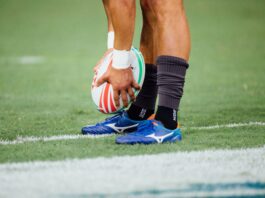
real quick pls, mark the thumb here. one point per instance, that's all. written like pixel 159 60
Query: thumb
pixel 95 68
pixel 101 80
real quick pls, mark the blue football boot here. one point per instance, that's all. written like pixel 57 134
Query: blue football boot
pixel 150 132
pixel 119 123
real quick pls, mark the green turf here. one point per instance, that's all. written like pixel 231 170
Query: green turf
pixel 225 82
pixel 192 140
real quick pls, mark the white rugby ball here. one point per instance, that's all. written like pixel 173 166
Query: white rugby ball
pixel 103 95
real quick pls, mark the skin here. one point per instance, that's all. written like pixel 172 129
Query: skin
pixel 107 11
pixel 147 42
pixel 122 15
pixel 165 31
pixel 110 29
pixel 170 30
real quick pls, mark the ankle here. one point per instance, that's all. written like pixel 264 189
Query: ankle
pixel 167 116
pixel 138 113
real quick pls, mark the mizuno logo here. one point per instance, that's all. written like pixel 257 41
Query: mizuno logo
pixel 121 129
pixel 159 139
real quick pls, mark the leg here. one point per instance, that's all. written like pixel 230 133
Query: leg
pixel 173 36
pixel 173 49
pixel 172 46
pixel 144 106
pixel 147 34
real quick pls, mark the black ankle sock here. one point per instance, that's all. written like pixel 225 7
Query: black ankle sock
pixel 144 105
pixel 138 113
pixel 167 116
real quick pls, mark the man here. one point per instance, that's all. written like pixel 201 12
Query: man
pixel 165 45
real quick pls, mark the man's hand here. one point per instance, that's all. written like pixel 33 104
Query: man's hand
pixel 122 82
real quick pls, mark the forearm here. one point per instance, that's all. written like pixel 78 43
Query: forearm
pixel 123 20
pixel 106 7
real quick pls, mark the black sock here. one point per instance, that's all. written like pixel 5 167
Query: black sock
pixel 170 80
pixel 144 105
pixel 167 116
pixel 138 113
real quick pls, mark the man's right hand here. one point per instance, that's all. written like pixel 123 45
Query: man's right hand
pixel 122 82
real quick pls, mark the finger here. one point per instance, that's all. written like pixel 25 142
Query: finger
pixel 101 80
pixel 95 68
pixel 97 65
pixel 124 98
pixel 116 97
pixel 131 94
pixel 135 85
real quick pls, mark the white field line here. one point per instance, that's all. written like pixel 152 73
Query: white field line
pixel 23 60
pixel 30 60
pixel 232 125
pixel 192 174
pixel 25 139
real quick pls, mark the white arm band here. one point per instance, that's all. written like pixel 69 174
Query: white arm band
pixel 110 40
pixel 121 59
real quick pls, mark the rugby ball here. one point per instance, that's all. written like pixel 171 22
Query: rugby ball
pixel 103 95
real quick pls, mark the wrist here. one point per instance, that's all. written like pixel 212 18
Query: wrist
pixel 121 59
